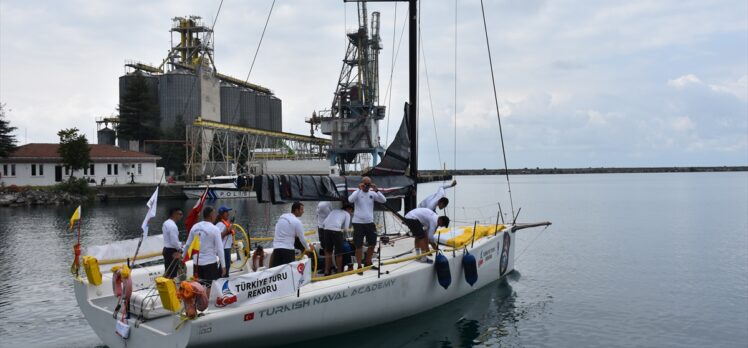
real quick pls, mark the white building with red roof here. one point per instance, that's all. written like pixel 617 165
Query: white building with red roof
pixel 41 165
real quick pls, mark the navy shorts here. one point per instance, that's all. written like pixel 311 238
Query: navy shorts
pixel 333 241
pixel 361 231
pixel 415 227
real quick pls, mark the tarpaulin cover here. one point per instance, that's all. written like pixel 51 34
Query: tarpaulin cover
pixel 278 189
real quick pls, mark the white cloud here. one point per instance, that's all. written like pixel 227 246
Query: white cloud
pixel 684 81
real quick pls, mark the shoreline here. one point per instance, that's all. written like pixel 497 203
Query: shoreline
pixel 589 170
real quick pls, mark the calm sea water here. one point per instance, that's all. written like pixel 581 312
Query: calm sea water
pixel 652 260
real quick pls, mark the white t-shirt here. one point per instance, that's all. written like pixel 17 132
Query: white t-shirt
pixel 338 220
pixel 211 246
pixel 171 235
pixel 428 219
pixel 431 201
pixel 286 229
pixel 364 204
pixel 323 209
pixel 229 239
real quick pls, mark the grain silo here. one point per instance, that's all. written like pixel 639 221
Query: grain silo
pixel 276 117
pixel 248 108
pixel 263 112
pixel 179 96
pixel 230 104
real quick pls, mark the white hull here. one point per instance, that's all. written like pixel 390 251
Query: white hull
pixel 218 193
pixel 322 308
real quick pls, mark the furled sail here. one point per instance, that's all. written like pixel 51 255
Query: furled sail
pixel 397 157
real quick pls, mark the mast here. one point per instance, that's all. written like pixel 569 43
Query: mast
pixel 410 202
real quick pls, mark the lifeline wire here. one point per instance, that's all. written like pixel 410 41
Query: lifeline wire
pixel 496 101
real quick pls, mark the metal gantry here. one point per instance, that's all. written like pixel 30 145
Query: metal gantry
pixel 354 115
pixel 215 148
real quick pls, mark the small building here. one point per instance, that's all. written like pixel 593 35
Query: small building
pixel 41 165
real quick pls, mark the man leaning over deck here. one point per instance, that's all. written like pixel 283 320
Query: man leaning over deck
pixel 287 229
pixel 363 218
pixel 437 199
pixel 209 260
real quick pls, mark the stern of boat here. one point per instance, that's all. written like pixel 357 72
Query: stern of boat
pixel 97 304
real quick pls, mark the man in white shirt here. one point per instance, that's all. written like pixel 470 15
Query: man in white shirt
pixel 171 243
pixel 287 229
pixel 323 209
pixel 437 199
pixel 227 235
pixel 337 221
pixel 363 218
pixel 422 223
pixel 209 260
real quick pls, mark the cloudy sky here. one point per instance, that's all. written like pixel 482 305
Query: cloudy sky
pixel 584 83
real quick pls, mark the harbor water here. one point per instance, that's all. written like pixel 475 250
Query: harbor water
pixel 645 260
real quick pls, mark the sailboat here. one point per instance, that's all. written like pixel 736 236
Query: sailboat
pixel 292 303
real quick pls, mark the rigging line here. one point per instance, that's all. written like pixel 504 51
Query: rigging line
pixel 454 147
pixel 428 89
pixel 388 93
pixel 262 36
pixel 251 66
pixel 496 102
pixel 392 64
pixel 529 245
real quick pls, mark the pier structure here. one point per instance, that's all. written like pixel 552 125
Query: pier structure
pixel 224 149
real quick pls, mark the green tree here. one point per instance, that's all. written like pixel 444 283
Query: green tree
pixel 7 139
pixel 74 149
pixel 172 151
pixel 138 112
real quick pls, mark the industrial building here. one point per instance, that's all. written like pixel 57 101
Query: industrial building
pixel 232 126
pixel 187 85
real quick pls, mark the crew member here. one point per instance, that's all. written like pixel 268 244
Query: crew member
pixel 337 221
pixel 209 261
pixel 323 209
pixel 287 229
pixel 363 218
pixel 227 235
pixel 422 223
pixel 437 199
pixel 172 247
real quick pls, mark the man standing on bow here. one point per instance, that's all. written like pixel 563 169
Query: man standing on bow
pixel 363 218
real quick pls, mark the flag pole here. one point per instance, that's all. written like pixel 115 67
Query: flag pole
pixel 137 249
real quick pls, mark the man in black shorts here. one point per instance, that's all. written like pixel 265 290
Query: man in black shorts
pixel 337 221
pixel 422 223
pixel 363 218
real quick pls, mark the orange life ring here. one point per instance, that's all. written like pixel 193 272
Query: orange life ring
pixel 194 297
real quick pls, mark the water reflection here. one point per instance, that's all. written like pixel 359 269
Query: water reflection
pixel 461 323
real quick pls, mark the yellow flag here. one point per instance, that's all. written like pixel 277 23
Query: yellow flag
pixel 76 216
